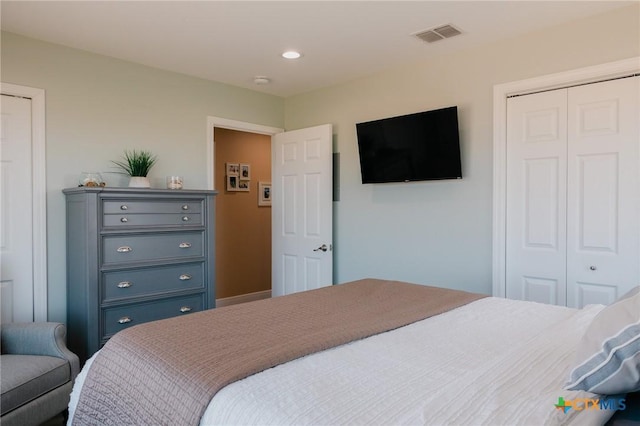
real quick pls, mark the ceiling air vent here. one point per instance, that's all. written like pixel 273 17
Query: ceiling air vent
pixel 439 33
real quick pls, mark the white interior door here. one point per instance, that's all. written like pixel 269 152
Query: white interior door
pixel 16 221
pixel 603 253
pixel 573 194
pixel 536 197
pixel 302 212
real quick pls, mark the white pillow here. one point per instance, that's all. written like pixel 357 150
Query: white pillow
pixel 608 357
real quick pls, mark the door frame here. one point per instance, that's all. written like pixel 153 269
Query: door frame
pixel 38 194
pixel 242 126
pixel 224 123
pixel 501 92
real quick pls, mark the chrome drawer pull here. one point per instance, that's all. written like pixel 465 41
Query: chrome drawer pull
pixel 124 249
pixel 125 284
pixel 185 309
pixel 124 220
pixel 185 207
pixel 185 277
pixel 185 218
pixel 124 320
pixel 184 245
pixel 124 207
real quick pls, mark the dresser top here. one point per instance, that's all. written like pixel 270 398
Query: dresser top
pixel 148 191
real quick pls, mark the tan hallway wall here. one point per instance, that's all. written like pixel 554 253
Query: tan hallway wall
pixel 243 230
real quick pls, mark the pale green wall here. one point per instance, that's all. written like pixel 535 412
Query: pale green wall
pixel 97 106
pixel 441 232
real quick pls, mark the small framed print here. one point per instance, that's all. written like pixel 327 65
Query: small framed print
pixel 233 169
pixel 264 193
pixel 232 183
pixel 245 171
pixel 243 185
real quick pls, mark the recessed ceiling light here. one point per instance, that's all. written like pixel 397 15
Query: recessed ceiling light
pixel 291 54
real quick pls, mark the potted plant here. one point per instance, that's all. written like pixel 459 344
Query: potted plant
pixel 137 165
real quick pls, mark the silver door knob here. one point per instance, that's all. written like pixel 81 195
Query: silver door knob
pixel 593 268
pixel 322 248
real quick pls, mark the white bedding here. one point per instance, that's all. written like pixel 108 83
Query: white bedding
pixel 494 361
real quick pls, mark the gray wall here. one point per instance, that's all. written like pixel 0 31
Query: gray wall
pixel 96 107
pixel 440 232
pixel 431 232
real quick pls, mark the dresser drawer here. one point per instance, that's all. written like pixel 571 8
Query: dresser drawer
pixel 122 249
pixel 151 219
pixel 151 206
pixel 119 285
pixel 121 317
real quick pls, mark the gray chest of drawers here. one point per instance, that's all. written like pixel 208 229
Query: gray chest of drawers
pixel 135 255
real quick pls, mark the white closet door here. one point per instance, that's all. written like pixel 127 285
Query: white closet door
pixel 536 197
pixel 16 209
pixel 603 254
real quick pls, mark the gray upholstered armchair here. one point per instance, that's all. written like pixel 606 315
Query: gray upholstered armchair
pixel 37 372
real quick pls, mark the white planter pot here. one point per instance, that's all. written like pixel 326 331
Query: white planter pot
pixel 139 182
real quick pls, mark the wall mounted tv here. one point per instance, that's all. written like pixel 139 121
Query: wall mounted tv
pixel 413 147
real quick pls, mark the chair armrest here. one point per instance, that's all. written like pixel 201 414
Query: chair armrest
pixel 38 338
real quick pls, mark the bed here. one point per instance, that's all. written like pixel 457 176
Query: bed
pixel 470 360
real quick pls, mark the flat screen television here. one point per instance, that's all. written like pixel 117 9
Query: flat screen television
pixel 413 147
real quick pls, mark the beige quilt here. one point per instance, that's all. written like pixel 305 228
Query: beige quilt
pixel 166 372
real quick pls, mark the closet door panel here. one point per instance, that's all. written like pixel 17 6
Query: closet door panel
pixel 536 193
pixel 603 203
pixel 597 202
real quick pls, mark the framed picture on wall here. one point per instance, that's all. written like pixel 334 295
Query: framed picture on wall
pixel 264 193
pixel 233 169
pixel 232 183
pixel 245 171
pixel 243 185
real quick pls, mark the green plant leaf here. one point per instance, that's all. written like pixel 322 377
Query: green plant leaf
pixel 136 163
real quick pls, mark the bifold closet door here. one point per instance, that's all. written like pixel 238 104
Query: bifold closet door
pixel 573 194
pixel 603 233
pixel 536 197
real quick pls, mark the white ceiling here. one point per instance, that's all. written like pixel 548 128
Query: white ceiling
pixel 234 41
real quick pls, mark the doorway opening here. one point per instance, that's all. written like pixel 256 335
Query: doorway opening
pixel 301 217
pixel 243 227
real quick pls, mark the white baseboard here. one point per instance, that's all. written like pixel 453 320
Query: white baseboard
pixel 250 297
